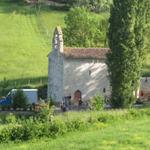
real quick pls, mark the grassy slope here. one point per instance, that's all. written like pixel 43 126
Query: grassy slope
pixel 25 40
pixel 133 134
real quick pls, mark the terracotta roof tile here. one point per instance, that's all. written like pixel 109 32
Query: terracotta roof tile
pixel 95 53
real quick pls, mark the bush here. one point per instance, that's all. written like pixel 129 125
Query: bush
pixel 97 102
pixel 45 114
pixel 4 135
pixel 11 118
pixel 33 127
pixel 76 124
pixel 19 100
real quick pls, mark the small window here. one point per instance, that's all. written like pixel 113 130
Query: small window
pixel 90 72
pixel 104 90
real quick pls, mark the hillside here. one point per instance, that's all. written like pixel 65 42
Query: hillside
pixel 26 40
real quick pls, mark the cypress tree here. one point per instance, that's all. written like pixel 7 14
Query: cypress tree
pixel 126 41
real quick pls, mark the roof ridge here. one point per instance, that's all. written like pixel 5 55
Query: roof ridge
pixel 94 53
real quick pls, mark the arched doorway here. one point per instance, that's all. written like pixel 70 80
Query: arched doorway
pixel 77 95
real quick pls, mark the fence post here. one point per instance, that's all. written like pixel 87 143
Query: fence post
pixel 41 81
pixel 29 81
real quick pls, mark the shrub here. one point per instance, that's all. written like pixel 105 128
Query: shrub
pixel 76 124
pixel 16 132
pixel 4 135
pixel 11 118
pixel 97 102
pixel 45 113
pixel 61 125
pixel 33 127
pixel 19 99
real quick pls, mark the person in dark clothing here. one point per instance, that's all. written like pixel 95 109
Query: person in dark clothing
pixel 80 102
pixel 62 106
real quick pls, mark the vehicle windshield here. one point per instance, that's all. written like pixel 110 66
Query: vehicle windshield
pixel 9 94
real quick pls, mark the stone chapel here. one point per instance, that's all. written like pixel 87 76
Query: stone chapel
pixel 76 73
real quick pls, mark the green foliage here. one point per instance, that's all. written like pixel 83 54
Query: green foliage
pixel 116 136
pixel 19 99
pixel 11 118
pixel 76 124
pixel 33 127
pixel 126 41
pixel 84 29
pixel 45 114
pixel 42 91
pixel 5 135
pixel 97 102
pixel 93 5
pixel 146 68
pixel 3 87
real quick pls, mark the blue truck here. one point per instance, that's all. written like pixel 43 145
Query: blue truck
pixel 6 101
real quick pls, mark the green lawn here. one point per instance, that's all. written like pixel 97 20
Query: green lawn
pixel 128 135
pixel 25 40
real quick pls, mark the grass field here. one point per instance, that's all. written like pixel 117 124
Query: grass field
pixel 127 135
pixel 26 40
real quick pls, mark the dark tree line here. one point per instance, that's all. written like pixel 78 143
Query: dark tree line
pixel 93 5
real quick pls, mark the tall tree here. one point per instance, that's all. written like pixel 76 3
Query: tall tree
pixel 147 31
pixel 126 41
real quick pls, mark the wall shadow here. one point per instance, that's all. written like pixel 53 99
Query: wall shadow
pixel 39 83
pixel 20 82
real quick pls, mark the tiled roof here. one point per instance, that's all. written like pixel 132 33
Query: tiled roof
pixel 94 53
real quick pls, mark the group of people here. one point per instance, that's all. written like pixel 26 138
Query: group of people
pixel 66 104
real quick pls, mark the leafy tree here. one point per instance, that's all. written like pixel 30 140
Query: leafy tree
pixel 147 31
pixel 126 41
pixel 83 29
pixel 19 99
pixel 94 5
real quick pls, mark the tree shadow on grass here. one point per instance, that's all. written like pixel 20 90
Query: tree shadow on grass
pixel 17 8
pixel 39 83
pixel 24 82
